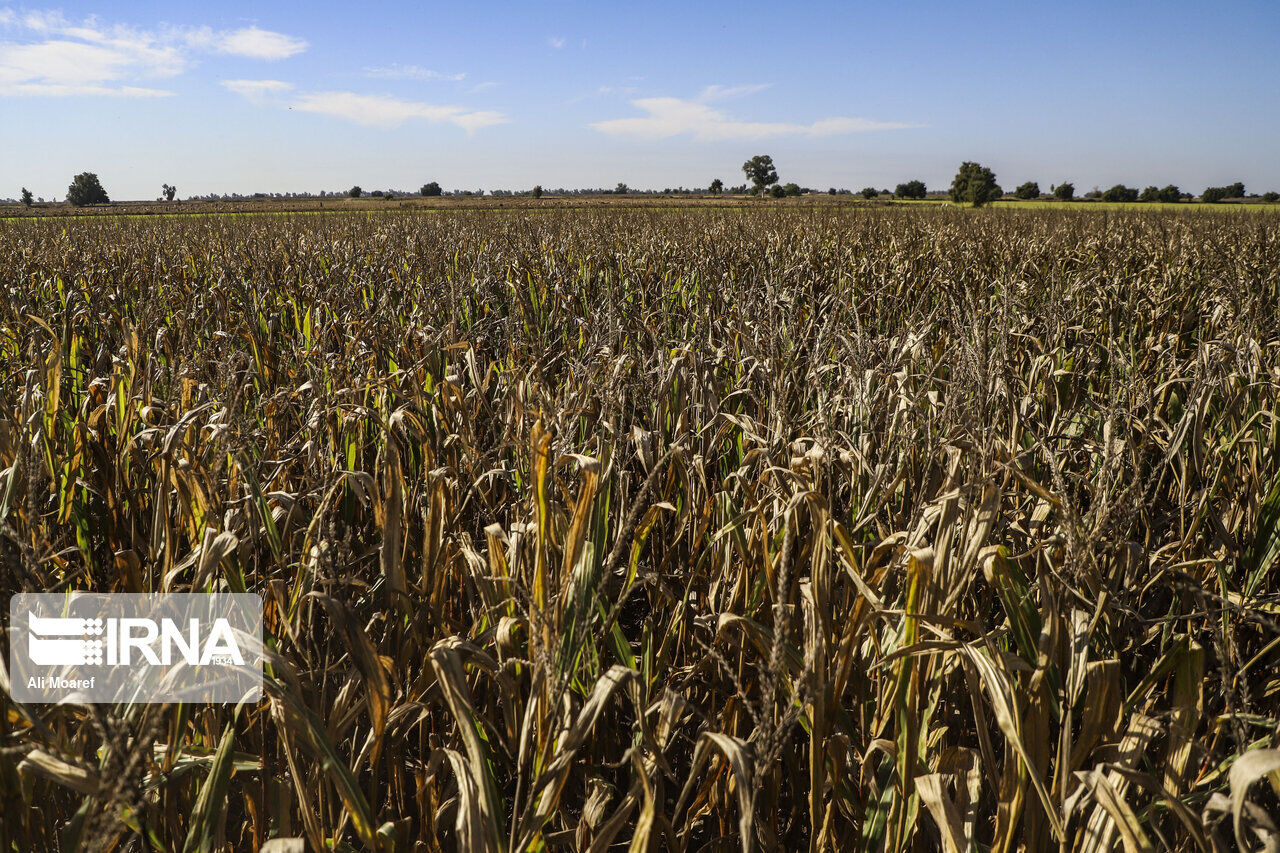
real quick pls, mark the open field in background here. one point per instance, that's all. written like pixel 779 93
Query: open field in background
pixel 1096 206
pixel 766 529
pixel 404 204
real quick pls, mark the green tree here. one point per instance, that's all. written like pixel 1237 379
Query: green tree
pixel 776 191
pixel 355 192
pixel 1235 190
pixel 716 187
pixel 27 198
pixel 537 191
pixel 430 189
pixel 870 192
pixel 760 172
pixel 1270 197
pixel 1029 190
pixel 792 189
pixel 1120 193
pixel 1170 194
pixel 1213 195
pixel 86 189
pixel 169 192
pixel 621 188
pixel 974 184
pixel 1064 191
pixel 1150 194
pixel 910 189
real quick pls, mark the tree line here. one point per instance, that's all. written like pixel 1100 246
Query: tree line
pixel 974 184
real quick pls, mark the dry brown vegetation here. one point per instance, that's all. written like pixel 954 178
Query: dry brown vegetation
pixel 690 530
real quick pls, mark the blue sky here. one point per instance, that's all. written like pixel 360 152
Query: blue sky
pixel 304 96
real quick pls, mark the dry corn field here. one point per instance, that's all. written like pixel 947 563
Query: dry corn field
pixel 660 530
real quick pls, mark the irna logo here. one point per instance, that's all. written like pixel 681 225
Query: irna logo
pixel 115 648
pixel 53 641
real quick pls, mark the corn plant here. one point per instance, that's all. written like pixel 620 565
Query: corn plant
pixel 745 529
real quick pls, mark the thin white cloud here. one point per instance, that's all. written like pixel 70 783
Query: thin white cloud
pixel 840 126
pixel 64 62
pixel 59 58
pixel 558 42
pixel 65 90
pixel 43 20
pixel 384 111
pixel 396 71
pixel 260 44
pixel 723 93
pixel 482 87
pixel 605 92
pixel 83 61
pixel 258 91
pixel 7 17
pixel 668 117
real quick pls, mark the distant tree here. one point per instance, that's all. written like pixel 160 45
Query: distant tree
pixel 1213 195
pixel 377 193
pixel 26 197
pixel 1170 194
pixel 621 189
pixel 537 191
pixel 1270 197
pixel 910 189
pixel 831 191
pixel 355 192
pixel 974 184
pixel 1120 193
pixel 86 189
pixel 776 191
pixel 716 187
pixel 1150 194
pixel 430 189
pixel 1064 191
pixel 169 192
pixel 740 189
pixel 390 196
pixel 792 189
pixel 1029 190
pixel 1235 190
pixel 870 192
pixel 760 172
